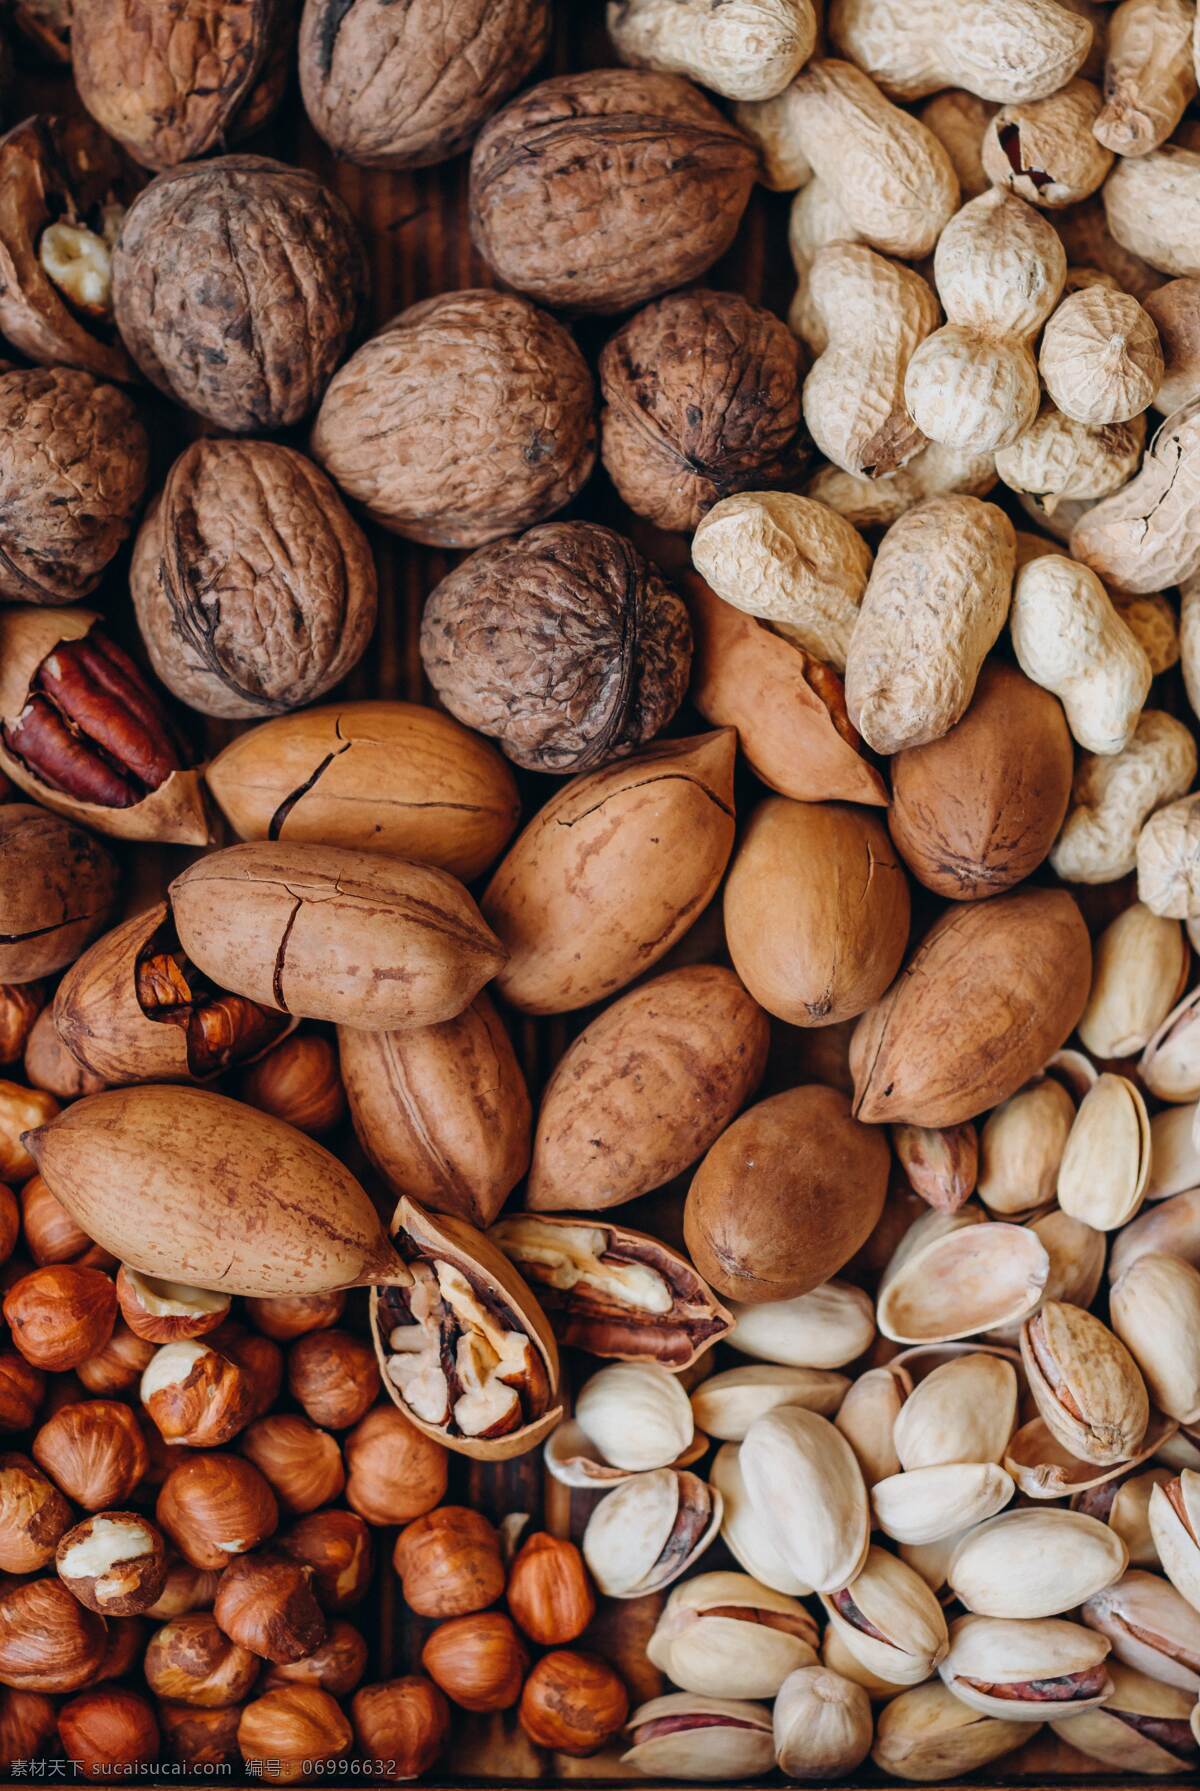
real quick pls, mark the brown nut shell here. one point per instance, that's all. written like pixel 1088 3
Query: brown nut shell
pixel 190 1661
pixel 978 810
pixel 58 889
pixel 786 1196
pixel 600 189
pixel 50 1066
pixel 49 1642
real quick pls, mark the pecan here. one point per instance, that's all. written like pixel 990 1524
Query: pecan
pixel 221 1029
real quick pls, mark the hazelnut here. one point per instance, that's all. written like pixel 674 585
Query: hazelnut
pixel 185 1589
pixel 302 1464
pixel 200 1738
pixel 334 1376
pixel 190 1661
pixel 119 1365
pixel 266 1603
pixel 20 1005
pixel 550 1590
pixel 114 1563
pixel 94 1450
pixel 61 1314
pixel 289 1316
pixel 572 1703
pixel 478 1661
pixel 336 1666
pixel 123 1648
pixel 195 1395
pixel 166 1311
pixel 337 1546
pixel 10 1222
pixel 260 1360
pixel 49 1642
pixel 405 1720
pixel 299 1081
pixel 51 1234
pixel 215 1506
pixel 449 1562
pixel 21 1109
pixel 107 1732
pixel 33 1515
pixel 394 1472
pixel 27 1724
pixel 50 1066
pixel 22 1388
pixel 294 1728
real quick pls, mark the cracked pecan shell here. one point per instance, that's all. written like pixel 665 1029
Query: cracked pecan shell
pixel 599 190
pixel 701 399
pixel 254 588
pixel 237 284
pixel 565 644
pixel 73 459
pixel 470 416
pixel 404 86
pixel 58 890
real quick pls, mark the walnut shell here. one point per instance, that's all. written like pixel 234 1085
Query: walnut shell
pixel 404 86
pixel 73 461
pixel 701 398
pixel 168 78
pixel 254 588
pixel 58 890
pixel 468 417
pixel 237 284
pixel 601 189
pixel 565 644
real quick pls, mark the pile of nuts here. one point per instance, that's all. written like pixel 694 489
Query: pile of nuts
pixel 814 804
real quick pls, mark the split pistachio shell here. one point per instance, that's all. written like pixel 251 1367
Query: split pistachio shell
pixel 1174 1154
pixel 1175 1526
pixel 573 1459
pixel 1020 1670
pixel 725 1405
pixel 1129 1515
pixel 1155 1311
pixel 837 1657
pixel 890 1620
pixel 1076 1255
pixel 1139 970
pixel 1086 1384
pixel 932 1560
pixel 807 1490
pixel 1035 1563
pixel 1142 1728
pixel 1151 1627
pixel 1021 1147
pixel 867 1419
pixel 1170 1065
pixel 823 1725
pixel 965 1411
pixel 953 1275
pixel 726 1635
pixel 1106 1164
pixel 826 1328
pixel 1168 1228
pixel 934 1502
pixel 683 1736
pixel 747 1540
pixel 649 1530
pixel 1044 1469
pixel 1181 1449
pixel 637 1415
pixel 1074 1069
pixel 929 1737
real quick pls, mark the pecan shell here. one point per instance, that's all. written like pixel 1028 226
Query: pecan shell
pixel 58 889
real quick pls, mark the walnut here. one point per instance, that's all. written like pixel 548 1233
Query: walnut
pixel 702 399
pixel 73 458
pixel 59 175
pixel 404 86
pixel 168 78
pixel 468 417
pixel 237 284
pixel 600 190
pixel 564 644
pixel 254 587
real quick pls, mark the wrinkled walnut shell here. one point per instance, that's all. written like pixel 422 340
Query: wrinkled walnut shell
pixel 565 645
pixel 468 417
pixel 237 284
pixel 255 590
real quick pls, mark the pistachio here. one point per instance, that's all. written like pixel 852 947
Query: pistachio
pixel 1181 1448
pixel 1076 1255
pixel 929 1503
pixel 940 1163
pixel 867 1419
pixel 1168 1228
pixel 1124 1505
pixel 965 1411
pixel 928 1736
pixel 1155 1311
pixel 649 1530
pixel 823 1725
pixel 1024 1670
pixel 1086 1384
pixel 1175 1527
pixel 725 1405
pixel 1074 1069
pixel 1035 1563
pixel 1139 971
pixel 1021 1147
pixel 1044 1469
pixel 725 1635
pixel 932 1560
pixel 1106 1164
pixel 1151 1626
pixel 1170 1064
pixel 1174 1155
pixel 613 1291
pixel 837 1657
pixel 953 1275
pixel 890 1620
pixel 682 1736
pixel 747 1540
pixel 637 1415
pixel 806 1489
pixel 573 1459
pixel 826 1328
pixel 1143 1727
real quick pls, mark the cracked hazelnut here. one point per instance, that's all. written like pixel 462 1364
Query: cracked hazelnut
pixel 114 1563
pixel 337 1547
pixel 266 1603
pixel 22 1389
pixel 336 1666
pixel 550 1590
pixel 333 1376
pixel 302 1464
pixel 260 1359
pixel 216 1506
pixel 107 1733
pixel 20 1005
pixel 185 1589
pixel 167 1311
pixel 49 1642
pixel 61 1314
pixel 294 1728
pixel 449 1562
pixel 33 1515
pixel 50 1066
pixel 406 1720
pixel 478 1661
pixel 394 1472
pixel 58 887
pixel 200 1738
pixel 572 1703
pixel 20 1110
pixel 298 1081
pixel 51 1234
pixel 293 1315
pixel 94 1451
pixel 27 1725
pixel 119 1365
pixel 195 1395
pixel 191 1661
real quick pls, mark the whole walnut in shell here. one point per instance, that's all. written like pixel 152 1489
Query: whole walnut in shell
pixel 170 79
pixel 467 417
pixel 73 458
pixel 403 86
pixel 237 284
pixel 701 399
pixel 254 588
pixel 599 190
pixel 565 645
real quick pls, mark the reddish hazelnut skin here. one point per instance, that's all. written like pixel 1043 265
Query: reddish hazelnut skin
pixel 265 1602
pixel 196 1737
pixel 550 1591
pixel 51 1234
pixel 449 1563
pixel 60 1315
pixel 207 1406
pixel 293 1726
pixel 123 1649
pixel 191 1661
pixel 405 1720
pixel 27 1723
pixel 289 1316
pixel 49 1642
pixel 336 1666
pixel 213 1506
pixel 105 1731
pixel 334 1376
pixel 302 1463
pixel 162 1327
pixel 394 1472
pixel 478 1661
pixel 94 1451
pixel 138 1565
pixel 337 1546
pixel 119 1365
pixel 22 1389
pixel 298 1081
pixel 572 1703
pixel 10 1222
pixel 33 1515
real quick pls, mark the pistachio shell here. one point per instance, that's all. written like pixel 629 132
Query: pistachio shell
pixel 826 1328
pixel 1174 1156
pixel 1123 1734
pixel 748 1540
pixel 1170 1064
pixel 1129 1515
pixel 725 1405
pixel 932 1560
pixel 1154 1307
pixel 890 1620
pixel 1170 1227
pixel 1139 971
pixel 1044 1469
pixel 1076 1255
pixel 953 1275
pixel 823 1725
pixel 1106 1164
pixel 928 1736
pixel 637 1415
pixel 1175 1525
pixel 1151 1627
pixel 928 1503
pixel 1035 1563
pixel 806 1489
pixel 1085 1382
pixel 965 1411
pixel 867 1419
pixel 1021 1146
pixel 999 1651
pixel 649 1530
pixel 573 1459
pixel 707 1738
pixel 726 1635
